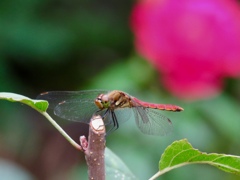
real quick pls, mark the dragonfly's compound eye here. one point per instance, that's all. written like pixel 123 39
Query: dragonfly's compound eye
pixel 102 101
pixel 98 102
pixel 105 101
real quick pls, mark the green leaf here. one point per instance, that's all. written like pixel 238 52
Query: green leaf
pixel 115 168
pixel 39 105
pixel 182 153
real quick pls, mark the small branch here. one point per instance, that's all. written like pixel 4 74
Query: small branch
pixel 69 139
pixel 94 149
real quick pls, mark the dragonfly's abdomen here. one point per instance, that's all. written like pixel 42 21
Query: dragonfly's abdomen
pixel 166 107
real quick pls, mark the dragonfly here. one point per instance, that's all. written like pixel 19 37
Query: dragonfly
pixel 113 106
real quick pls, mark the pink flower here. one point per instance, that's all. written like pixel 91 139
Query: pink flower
pixel 193 43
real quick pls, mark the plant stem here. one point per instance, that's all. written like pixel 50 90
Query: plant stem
pixel 69 139
pixel 93 148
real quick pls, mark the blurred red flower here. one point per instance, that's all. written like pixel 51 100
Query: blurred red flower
pixel 193 43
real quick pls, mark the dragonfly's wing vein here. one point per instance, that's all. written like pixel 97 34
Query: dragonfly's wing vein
pixel 151 121
pixel 122 115
pixel 76 111
pixel 73 105
pixel 114 119
pixel 56 97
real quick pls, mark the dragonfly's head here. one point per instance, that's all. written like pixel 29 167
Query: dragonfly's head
pixel 102 101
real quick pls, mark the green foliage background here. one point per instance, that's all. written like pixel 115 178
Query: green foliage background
pixel 78 45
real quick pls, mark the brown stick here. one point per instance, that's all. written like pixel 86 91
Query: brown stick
pixel 94 149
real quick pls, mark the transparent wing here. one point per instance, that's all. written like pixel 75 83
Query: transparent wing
pixel 73 105
pixel 56 97
pixel 77 111
pixel 151 121
pixel 114 119
pixel 122 115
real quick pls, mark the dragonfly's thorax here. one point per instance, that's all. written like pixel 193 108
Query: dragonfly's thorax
pixel 113 100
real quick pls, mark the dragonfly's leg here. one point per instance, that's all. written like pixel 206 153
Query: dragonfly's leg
pixel 104 116
pixel 115 123
pixel 113 126
pixel 115 120
pixel 105 113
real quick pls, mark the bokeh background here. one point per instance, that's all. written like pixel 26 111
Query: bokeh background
pixel 180 52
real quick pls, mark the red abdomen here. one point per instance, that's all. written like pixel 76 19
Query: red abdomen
pixel 166 107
